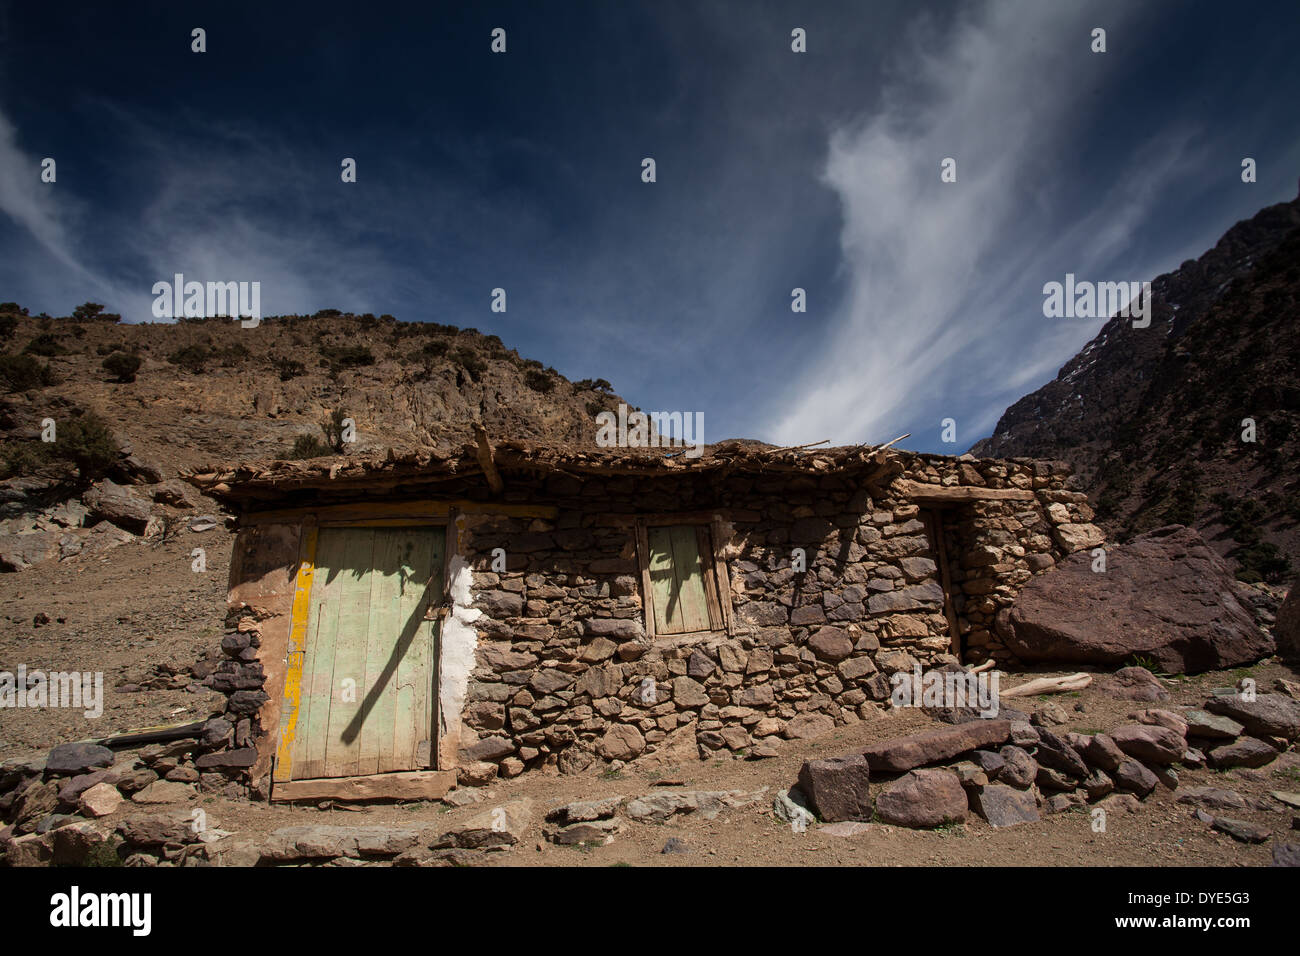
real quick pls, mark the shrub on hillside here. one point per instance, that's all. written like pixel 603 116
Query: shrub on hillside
pixel 23 459
pixel 18 373
pixel 288 368
pixel 333 430
pixel 1262 561
pixel 539 381
pixel 122 366
pixel 47 344
pixel 347 356
pixel 192 358
pixel 469 360
pixel 307 446
pixel 89 444
pixel 85 443
pixel 93 311
pixel 233 356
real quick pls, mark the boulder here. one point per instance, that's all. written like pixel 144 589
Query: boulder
pixel 621 742
pixel 1150 744
pixel 658 807
pixel 1098 784
pixel 1241 830
pixel 584 811
pixel 1056 754
pixel 18 552
pixel 1132 683
pixel 1268 715
pixel 1202 723
pixel 807 726
pixel 503 825
pixel 1212 798
pixel 831 644
pixel 73 759
pixel 931 746
pixel 923 798
pixel 1286 627
pixel 1245 752
pixel 1018 769
pixel 1162 718
pixel 1004 806
pixel 1103 753
pixel 100 800
pixel 154 831
pixel 1286 854
pixel 1135 778
pixel 122 506
pixel 837 788
pixel 1164 595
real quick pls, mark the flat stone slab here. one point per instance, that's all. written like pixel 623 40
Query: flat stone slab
pixel 658 807
pixel 584 811
pixel 72 759
pixel 916 750
pixel 293 844
pixel 1202 723
pixel 502 825
pixel 1003 806
pixel 1268 715
pixel 1244 752
pixel 1212 798
pixel 1240 830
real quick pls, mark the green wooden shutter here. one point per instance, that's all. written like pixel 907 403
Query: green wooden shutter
pixel 679 595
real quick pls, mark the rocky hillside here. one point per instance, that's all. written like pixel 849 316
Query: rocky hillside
pixel 1152 419
pixel 198 391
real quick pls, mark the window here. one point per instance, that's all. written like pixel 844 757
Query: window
pixel 683 580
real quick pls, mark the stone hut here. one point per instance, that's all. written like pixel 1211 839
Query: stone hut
pixel 398 625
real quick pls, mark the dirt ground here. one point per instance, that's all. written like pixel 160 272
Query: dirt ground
pixel 139 611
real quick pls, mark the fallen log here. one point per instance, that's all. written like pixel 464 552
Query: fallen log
pixel 1049 685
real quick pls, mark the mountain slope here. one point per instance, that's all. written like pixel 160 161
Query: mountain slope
pixel 1152 419
pixel 210 390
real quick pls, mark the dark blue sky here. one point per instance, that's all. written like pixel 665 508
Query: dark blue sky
pixel 775 170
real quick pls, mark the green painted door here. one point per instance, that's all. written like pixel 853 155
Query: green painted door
pixel 369 683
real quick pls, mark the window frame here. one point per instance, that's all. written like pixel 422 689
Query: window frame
pixel 716 578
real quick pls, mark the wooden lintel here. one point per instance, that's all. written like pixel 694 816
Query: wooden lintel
pixel 435 512
pixel 737 515
pixel 486 461
pixel 410 785
pixel 923 494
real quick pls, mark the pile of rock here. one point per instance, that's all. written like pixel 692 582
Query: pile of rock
pixel 1008 771
pixel 78 783
pixel 36 527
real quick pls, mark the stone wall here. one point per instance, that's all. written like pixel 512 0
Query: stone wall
pixel 567 678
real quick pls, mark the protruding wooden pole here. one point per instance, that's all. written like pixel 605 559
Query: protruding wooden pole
pixel 486 461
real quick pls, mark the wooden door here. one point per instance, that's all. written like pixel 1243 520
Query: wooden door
pixel 368 691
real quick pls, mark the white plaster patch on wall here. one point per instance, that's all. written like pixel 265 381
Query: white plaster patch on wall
pixel 459 643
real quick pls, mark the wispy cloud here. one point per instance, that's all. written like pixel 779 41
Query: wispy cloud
pixel 936 269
